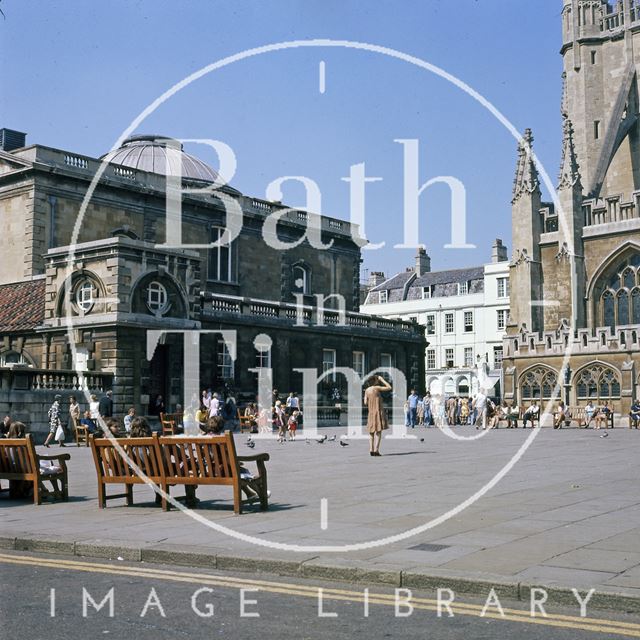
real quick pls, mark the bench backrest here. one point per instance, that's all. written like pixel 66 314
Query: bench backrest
pixel 18 456
pixel 211 457
pixel 110 463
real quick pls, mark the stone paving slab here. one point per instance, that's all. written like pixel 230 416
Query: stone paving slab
pixel 567 515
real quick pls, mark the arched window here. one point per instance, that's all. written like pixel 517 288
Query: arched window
pixel 301 279
pixel 635 306
pixel 597 382
pixel 538 383
pixel 12 357
pixel 616 293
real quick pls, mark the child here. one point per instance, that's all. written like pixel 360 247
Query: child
pixel 264 421
pixel 279 421
pixel 293 424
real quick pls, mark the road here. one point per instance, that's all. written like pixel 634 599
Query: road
pixel 167 602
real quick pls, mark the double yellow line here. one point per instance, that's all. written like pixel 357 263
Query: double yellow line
pixel 421 604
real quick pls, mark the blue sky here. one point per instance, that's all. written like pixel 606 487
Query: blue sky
pixel 76 73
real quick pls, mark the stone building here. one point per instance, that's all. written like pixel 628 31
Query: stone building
pixel 464 312
pixel 575 271
pixel 87 302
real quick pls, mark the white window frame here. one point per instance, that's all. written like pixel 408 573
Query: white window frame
pixel 263 357
pixel 502 319
pixel 302 273
pixel 463 288
pixel 383 296
pixel 85 298
pixel 431 358
pixel 447 351
pixel 468 357
pixel 497 362
pixel 225 364
pixel 471 324
pixel 427 292
pixel 359 363
pixel 503 287
pixel 217 257
pixel 329 363
pixel 389 359
pixel 449 315
pixel 431 316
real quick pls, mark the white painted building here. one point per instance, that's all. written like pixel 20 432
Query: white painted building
pixel 464 311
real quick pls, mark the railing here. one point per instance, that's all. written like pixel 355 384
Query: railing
pixel 76 161
pixel 21 378
pixel 291 314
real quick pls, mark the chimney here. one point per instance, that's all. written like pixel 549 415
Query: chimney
pixel 10 139
pixel 423 262
pixel 498 252
pixel 376 278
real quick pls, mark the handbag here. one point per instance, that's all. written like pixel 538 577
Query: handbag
pixel 59 433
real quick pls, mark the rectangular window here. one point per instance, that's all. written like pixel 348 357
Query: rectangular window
pixel 468 357
pixel 468 321
pixel 502 318
pixel 449 325
pixel 431 325
pixel 225 362
pixel 220 264
pixel 427 292
pixel 431 358
pixel 497 357
pixel 263 359
pixel 463 288
pixel 596 129
pixel 386 360
pixel 448 358
pixel 384 295
pixel 503 287
pixel 329 363
pixel 359 363
pixel 594 57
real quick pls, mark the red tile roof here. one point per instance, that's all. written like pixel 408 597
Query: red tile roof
pixel 21 305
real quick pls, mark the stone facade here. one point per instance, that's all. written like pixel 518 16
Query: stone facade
pixel 575 295
pixel 109 275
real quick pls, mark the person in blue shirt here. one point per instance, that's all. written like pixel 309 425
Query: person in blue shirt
pixel 89 422
pixel 413 408
pixel 634 414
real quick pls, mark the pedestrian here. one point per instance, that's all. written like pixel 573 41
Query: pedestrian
pixel 105 407
pixel 74 413
pixel 377 416
pixel 128 419
pixel 214 406
pixel 56 431
pixel 292 403
pixel 464 411
pixel 279 420
pixel 94 406
pixel 230 414
pixel 5 426
pixel 480 407
pixel 413 408
pixel 428 413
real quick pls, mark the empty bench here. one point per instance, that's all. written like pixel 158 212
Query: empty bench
pixel 169 461
pixel 19 462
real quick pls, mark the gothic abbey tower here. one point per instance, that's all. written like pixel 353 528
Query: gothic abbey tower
pixel 575 281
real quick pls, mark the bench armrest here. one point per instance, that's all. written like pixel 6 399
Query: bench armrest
pixel 258 457
pixel 60 456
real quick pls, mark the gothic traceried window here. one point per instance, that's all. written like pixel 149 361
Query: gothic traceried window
pixel 618 296
pixel 598 382
pixel 538 383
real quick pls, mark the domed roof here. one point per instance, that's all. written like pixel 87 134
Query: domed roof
pixel 148 153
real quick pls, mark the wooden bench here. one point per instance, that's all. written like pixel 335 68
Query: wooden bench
pixel 246 423
pixel 170 423
pixel 179 460
pixel 20 462
pixel 82 435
